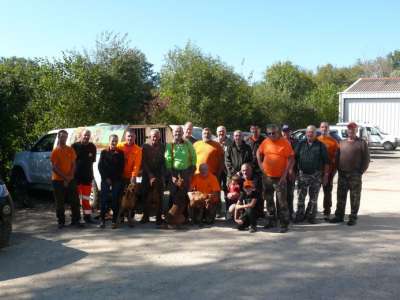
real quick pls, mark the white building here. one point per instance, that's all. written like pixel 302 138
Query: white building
pixel 372 100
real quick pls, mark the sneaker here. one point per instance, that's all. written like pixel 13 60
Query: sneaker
pixel 336 219
pixel 144 220
pixel 284 229
pixel 253 229
pixel 114 225
pixel 352 222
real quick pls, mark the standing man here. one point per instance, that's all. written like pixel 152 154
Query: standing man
pixel 111 168
pixel 291 177
pixel 275 159
pixel 188 132
pixel 85 157
pixel 237 154
pixel 63 167
pixel 225 142
pixel 180 160
pixel 332 146
pixel 132 156
pixel 153 163
pixel 312 160
pixel 254 142
pixel 209 152
pixel 352 161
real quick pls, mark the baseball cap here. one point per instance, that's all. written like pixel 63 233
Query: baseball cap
pixel 285 127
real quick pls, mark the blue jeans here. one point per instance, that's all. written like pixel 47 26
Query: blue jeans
pixel 115 188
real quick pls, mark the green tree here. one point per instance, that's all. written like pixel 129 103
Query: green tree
pixel 204 90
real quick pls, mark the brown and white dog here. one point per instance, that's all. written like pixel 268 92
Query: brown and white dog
pixel 128 203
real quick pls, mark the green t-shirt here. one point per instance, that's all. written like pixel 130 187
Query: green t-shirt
pixel 182 158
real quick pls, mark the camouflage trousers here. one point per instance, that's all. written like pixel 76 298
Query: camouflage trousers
pixel 308 184
pixel 348 181
pixel 328 194
pixel 270 186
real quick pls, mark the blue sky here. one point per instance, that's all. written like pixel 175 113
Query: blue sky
pixel 248 35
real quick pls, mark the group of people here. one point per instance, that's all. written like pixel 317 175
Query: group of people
pixel 261 170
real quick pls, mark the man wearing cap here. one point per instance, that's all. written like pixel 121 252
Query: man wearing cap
pixel 313 165
pixel 291 177
pixel 332 147
pixel 275 159
pixel 352 161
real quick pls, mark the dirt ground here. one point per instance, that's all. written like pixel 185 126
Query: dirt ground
pixel 322 261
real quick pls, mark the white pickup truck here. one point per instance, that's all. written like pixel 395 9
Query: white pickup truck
pixel 32 168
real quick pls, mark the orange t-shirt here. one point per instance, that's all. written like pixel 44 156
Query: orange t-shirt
pixel 63 158
pixel 331 145
pixel 276 154
pixel 210 153
pixel 206 185
pixel 133 159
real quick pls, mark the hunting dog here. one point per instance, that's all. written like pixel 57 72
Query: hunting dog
pixel 175 214
pixel 128 203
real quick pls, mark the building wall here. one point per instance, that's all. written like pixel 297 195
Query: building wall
pixel 383 112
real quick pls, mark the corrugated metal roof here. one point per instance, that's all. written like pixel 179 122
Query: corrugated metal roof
pixel 375 85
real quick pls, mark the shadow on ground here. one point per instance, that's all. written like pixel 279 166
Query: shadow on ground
pixel 24 256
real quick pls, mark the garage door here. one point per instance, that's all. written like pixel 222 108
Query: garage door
pixel 383 112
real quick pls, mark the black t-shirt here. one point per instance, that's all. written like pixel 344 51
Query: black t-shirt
pixel 247 198
pixel 85 157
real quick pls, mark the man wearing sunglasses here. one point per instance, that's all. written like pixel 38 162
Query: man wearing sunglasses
pixel 275 158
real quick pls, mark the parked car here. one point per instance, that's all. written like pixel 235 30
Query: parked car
pixel 300 134
pixel 6 214
pixel 377 138
pixel 32 168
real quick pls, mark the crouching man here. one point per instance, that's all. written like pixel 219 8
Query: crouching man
pixel 245 210
pixel 207 184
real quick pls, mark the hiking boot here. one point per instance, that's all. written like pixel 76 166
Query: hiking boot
pixel 312 220
pixel 270 224
pixel 102 224
pixel 253 229
pixel 336 219
pixel 284 229
pixel 145 219
pixel 76 224
pixel 88 219
pixel 352 222
pixel 299 218
pixel 242 227
pixel 114 226
pixel 326 216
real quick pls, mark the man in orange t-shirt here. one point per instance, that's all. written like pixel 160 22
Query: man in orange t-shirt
pixel 63 167
pixel 132 156
pixel 332 146
pixel 206 183
pixel 209 152
pixel 275 158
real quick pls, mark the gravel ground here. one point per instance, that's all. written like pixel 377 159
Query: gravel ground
pixel 323 261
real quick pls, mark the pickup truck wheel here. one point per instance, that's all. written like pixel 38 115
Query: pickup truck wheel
pixel 20 188
pixel 5 232
pixel 388 146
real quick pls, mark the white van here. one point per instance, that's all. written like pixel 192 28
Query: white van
pixel 32 168
pixel 377 138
